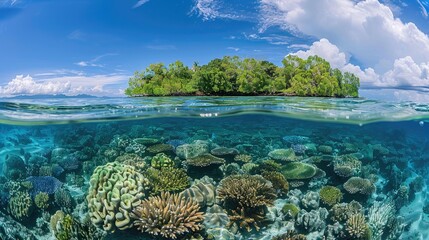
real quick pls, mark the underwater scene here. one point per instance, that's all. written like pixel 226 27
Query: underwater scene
pixel 213 168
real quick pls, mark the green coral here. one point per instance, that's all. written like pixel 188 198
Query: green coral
pixel 325 149
pixel 161 161
pixel 65 227
pixel 42 200
pixel 357 228
pixel 20 205
pixel 286 155
pixel 167 180
pixel 330 195
pixel 290 209
pixel 115 190
pixel 298 170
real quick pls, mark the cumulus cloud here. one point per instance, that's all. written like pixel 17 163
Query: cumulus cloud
pixel 366 29
pixel 69 85
pixel 26 85
pixel 403 72
pixel 392 53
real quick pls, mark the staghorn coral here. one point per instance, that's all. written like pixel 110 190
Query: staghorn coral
pixel 20 205
pixel 170 180
pixel 278 180
pixel 330 195
pixel 245 191
pixel 378 216
pixel 161 160
pixel 168 215
pixel 357 227
pixel 359 185
pixel 115 190
pixel 42 200
pixel 246 198
pixel 298 171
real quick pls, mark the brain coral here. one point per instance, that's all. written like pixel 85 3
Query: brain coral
pixel 115 190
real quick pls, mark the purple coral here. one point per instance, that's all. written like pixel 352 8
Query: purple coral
pixel 45 184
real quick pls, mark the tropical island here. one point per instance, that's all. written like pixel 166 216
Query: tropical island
pixel 232 76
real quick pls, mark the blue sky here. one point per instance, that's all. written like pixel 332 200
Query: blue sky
pixel 71 47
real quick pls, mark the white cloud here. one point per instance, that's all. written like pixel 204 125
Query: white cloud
pixel 393 53
pixel 140 3
pixel 404 71
pixel 94 62
pixel 366 29
pixel 338 59
pixel 65 84
pixel 211 9
pixel 233 49
pixel 26 85
pixel 423 8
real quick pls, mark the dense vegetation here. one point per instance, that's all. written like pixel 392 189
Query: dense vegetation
pixel 235 76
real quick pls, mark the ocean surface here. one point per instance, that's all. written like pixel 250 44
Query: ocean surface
pixel 213 168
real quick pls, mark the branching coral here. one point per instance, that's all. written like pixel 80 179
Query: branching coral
pixel 115 190
pixel 357 227
pixel 347 166
pixel 246 198
pixel 172 179
pixel 246 191
pixel 244 158
pixel 340 212
pixel 378 216
pixel 168 215
pixel 330 195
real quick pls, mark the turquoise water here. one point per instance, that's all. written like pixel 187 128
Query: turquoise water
pixel 233 168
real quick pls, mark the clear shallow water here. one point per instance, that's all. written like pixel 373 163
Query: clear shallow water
pixel 374 154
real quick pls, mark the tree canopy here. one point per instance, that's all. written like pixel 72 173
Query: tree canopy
pixel 235 76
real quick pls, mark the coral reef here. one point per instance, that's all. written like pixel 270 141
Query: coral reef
pixel 285 155
pixel 224 152
pixel 192 150
pixel 20 205
pixel 244 158
pixel 160 148
pixel 203 191
pixel 359 185
pixel 46 184
pixel 357 227
pixel 42 200
pixel 204 160
pixel 168 215
pixel 115 190
pixel 330 195
pixel 161 160
pixel 167 180
pixel 298 170
pixel 14 167
pixel 278 180
pixel 290 210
